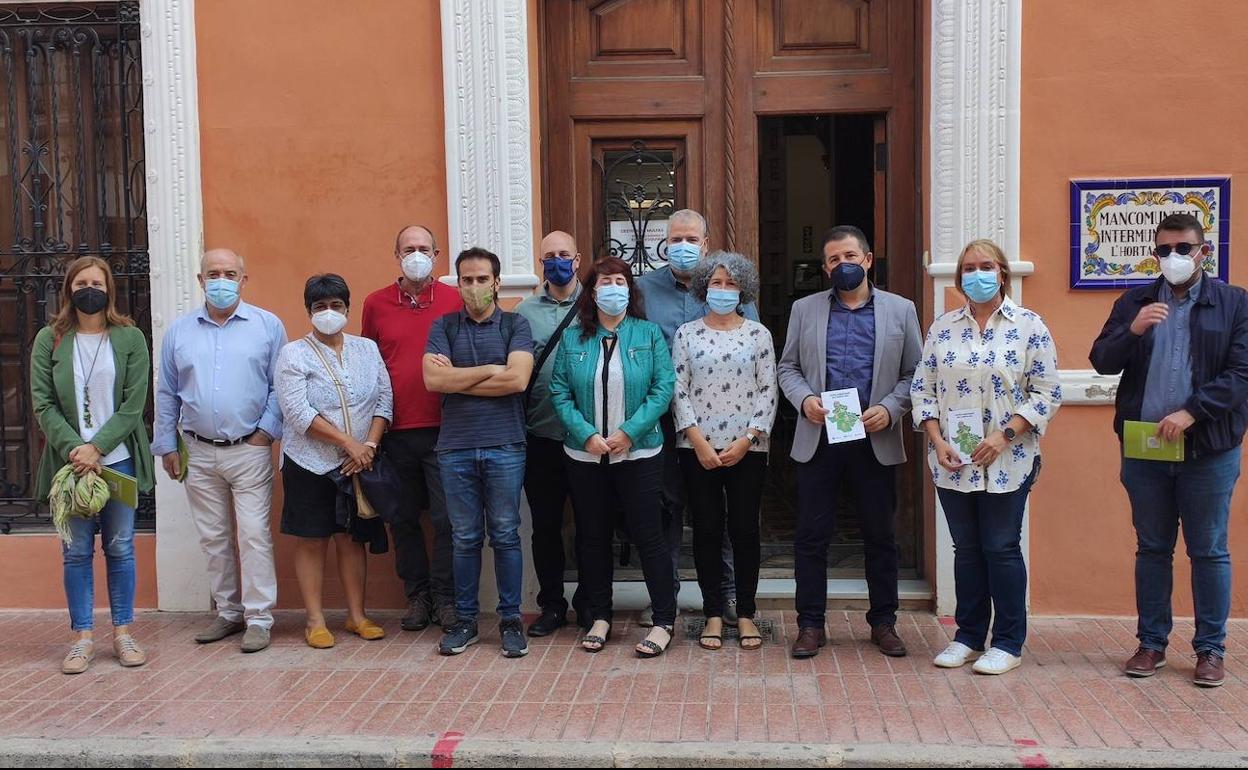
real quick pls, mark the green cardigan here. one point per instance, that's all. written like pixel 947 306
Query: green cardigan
pixel 56 403
pixel 649 381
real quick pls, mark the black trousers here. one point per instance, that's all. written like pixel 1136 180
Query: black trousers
pixel 597 492
pixel 546 488
pixel 874 489
pixel 413 455
pixel 674 504
pixel 732 496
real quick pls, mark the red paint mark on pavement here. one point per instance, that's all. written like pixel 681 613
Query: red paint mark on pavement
pixel 947 621
pixel 444 750
pixel 1025 742
pixel 1038 760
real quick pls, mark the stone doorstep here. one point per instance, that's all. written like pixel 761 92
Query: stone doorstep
pixel 453 751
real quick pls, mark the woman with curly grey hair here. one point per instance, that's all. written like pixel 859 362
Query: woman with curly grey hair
pixel 725 405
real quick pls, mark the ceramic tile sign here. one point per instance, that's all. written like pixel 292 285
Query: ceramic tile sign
pixel 1113 221
pixel 623 243
pixel 844 418
pixel 966 432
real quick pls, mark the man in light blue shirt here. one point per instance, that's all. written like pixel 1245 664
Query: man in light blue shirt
pixel 670 305
pixel 217 368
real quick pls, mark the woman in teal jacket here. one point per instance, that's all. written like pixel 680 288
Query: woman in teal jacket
pixel 613 379
pixel 90 378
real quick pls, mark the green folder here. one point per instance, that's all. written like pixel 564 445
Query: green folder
pixel 1141 442
pixel 121 487
pixel 184 458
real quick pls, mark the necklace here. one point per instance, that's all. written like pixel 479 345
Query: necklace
pixel 86 394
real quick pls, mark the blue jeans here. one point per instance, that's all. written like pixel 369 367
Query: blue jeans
pixel 1197 494
pixel 115 525
pixel 989 573
pixel 482 488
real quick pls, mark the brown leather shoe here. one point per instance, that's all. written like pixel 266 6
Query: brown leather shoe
pixel 1209 670
pixel 885 637
pixel 1145 663
pixel 809 640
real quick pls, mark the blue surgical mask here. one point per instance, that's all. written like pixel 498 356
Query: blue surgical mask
pixel 723 301
pixel 981 285
pixel 612 300
pixel 684 256
pixel 558 271
pixel 222 293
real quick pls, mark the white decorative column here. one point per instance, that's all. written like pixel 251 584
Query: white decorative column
pixel 975 168
pixel 489 154
pixel 175 225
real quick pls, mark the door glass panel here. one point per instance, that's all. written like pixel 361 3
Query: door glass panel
pixel 638 186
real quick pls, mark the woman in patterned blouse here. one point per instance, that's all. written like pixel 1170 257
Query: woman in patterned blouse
pixel 725 405
pixel 996 359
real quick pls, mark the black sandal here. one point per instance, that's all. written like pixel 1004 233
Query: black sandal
pixel 600 641
pixel 743 638
pixel 649 649
pixel 719 638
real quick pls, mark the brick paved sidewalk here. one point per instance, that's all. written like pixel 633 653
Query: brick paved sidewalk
pixel 1069 692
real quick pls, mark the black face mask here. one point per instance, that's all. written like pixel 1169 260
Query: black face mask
pixel 90 300
pixel 847 276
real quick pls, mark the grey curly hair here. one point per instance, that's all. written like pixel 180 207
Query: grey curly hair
pixel 740 268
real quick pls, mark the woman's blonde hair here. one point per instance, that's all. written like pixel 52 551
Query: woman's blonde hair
pixel 66 318
pixel 988 247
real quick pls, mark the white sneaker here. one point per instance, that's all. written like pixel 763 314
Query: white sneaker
pixel 997 661
pixel 956 655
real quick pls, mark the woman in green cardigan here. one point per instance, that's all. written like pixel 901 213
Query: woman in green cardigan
pixel 90 376
pixel 612 380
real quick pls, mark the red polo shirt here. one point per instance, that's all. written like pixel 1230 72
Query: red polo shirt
pixel 399 325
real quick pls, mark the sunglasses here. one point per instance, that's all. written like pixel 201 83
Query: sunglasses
pixel 1182 249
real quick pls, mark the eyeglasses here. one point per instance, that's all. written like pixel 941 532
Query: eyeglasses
pixel 1182 249
pixel 416 303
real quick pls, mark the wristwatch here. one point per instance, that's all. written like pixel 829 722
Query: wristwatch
pixel 372 444
pixel 1010 433
pixel 753 438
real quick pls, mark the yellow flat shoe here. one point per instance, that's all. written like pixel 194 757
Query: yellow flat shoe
pixel 319 638
pixel 366 630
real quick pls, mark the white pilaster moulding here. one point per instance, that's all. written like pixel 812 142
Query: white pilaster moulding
pixel 489 154
pixel 975 168
pixel 175 225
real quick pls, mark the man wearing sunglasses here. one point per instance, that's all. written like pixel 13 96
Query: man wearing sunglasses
pixel 398 318
pixel 1181 344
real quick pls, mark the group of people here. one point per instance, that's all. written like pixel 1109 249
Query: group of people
pixel 646 402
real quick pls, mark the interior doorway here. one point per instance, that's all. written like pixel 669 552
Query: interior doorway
pixel 817 171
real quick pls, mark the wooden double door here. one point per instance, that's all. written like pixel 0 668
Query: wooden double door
pixel 723 106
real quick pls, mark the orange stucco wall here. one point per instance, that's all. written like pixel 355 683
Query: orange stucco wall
pixel 317 147
pixel 1098 102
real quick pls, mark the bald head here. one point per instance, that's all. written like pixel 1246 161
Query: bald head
pixel 555 243
pixel 415 238
pixel 220 261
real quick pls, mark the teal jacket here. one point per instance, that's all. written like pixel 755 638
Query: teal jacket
pixel 649 381
pixel 56 403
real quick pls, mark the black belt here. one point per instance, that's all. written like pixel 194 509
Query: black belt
pixel 219 441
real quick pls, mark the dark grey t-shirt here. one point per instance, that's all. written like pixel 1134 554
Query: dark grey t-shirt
pixel 478 422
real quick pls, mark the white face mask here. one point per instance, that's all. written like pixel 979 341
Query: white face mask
pixel 1178 269
pixel 417 266
pixel 329 322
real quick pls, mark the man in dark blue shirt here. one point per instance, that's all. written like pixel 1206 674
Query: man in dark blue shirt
pixel 481 359
pixel 1181 344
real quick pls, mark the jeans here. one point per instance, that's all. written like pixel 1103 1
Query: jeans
pixel 115 525
pixel 1197 495
pixel 874 489
pixel 483 493
pixel 989 573
pixel 547 490
pixel 412 452
pixel 597 490
pixel 673 496
pixel 732 496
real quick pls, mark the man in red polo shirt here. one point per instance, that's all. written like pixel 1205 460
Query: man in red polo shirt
pixel 398 318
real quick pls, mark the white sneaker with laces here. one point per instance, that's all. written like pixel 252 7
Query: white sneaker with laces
pixel 956 655
pixel 997 661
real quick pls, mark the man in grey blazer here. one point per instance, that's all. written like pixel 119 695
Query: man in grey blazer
pixel 851 336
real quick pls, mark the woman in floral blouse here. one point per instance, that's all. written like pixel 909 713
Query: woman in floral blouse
pixel 994 357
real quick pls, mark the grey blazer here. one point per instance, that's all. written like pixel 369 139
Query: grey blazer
pixel 803 368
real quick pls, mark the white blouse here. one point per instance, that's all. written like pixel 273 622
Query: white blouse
pixel 306 391
pixel 725 383
pixel 95 367
pixel 1010 368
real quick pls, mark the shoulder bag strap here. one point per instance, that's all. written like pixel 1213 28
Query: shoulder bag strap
pixel 551 344
pixel 342 395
